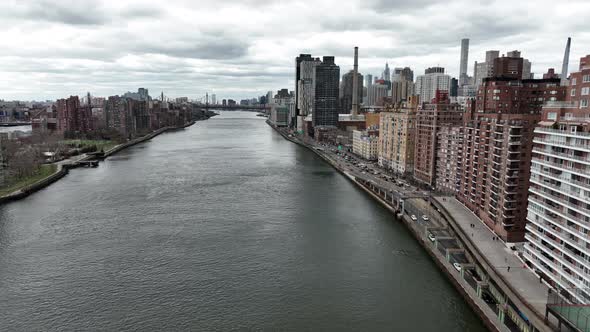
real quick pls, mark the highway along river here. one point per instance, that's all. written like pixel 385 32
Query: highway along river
pixel 222 226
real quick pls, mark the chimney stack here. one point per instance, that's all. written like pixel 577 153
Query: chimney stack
pixel 355 102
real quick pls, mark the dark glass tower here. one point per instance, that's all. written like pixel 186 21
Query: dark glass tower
pixel 325 112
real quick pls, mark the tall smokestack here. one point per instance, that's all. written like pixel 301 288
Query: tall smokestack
pixel 566 61
pixel 355 84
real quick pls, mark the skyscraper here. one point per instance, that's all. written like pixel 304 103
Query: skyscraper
pixel 463 79
pixel 306 88
pixel 566 61
pixel 386 75
pixel 298 60
pixel 325 112
pixel 434 79
pixel 347 91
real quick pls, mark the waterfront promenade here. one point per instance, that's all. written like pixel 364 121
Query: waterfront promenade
pixel 499 256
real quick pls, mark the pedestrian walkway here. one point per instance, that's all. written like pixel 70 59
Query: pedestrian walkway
pixel 511 269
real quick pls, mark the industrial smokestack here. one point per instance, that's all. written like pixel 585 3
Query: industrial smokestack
pixel 355 84
pixel 566 61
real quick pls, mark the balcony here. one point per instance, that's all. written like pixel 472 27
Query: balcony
pixel 561 189
pixel 566 156
pixel 550 252
pixel 561 167
pixel 561 201
pixel 561 223
pixel 545 130
pixel 576 146
pixel 562 178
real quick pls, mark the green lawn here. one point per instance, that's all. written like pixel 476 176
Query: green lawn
pixel 100 144
pixel 43 172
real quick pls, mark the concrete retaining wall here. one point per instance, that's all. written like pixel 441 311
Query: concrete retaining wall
pixel 26 191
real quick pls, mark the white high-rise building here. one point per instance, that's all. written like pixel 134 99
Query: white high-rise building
pixel 557 239
pixel 433 79
pixel 375 94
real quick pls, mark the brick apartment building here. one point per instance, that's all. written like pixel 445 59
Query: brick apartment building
pixel 431 117
pixel 498 138
pixel 72 117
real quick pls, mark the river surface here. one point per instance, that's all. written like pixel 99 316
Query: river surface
pixel 221 226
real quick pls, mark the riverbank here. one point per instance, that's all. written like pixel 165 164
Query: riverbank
pixel 455 255
pixel 62 168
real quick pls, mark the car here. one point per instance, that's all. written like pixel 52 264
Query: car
pixel 425 217
pixel 413 217
pixel 431 237
pixel 457 266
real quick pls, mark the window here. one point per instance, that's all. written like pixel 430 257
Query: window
pixel 584 103
pixel 585 91
pixel 574 81
pixel 552 116
pixel 586 78
pixel 573 92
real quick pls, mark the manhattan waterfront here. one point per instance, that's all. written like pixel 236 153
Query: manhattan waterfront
pixel 204 229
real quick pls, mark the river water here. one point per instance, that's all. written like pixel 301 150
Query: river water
pixel 221 226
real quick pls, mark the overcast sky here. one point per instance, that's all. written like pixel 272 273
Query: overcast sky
pixel 243 48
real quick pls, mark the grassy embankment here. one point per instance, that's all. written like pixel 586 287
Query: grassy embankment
pixel 17 184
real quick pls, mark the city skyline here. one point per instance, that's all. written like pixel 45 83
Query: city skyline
pixel 62 48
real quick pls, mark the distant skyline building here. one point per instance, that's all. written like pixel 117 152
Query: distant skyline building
pixel 484 69
pixel 386 75
pixel 376 93
pixel 346 93
pixel 463 78
pixel 306 88
pixel 434 79
pixel 325 112
pixel 402 85
pixel 298 60
pixel 566 61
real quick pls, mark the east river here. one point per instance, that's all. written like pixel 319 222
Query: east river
pixel 221 226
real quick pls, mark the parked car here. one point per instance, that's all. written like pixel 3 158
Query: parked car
pixel 425 217
pixel 413 217
pixel 457 266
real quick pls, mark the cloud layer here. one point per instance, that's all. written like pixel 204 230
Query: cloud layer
pixel 243 48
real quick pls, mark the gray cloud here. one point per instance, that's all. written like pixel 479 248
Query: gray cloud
pixel 67 12
pixel 242 48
